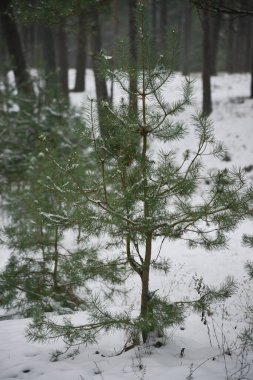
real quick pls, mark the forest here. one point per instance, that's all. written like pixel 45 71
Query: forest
pixel 126 189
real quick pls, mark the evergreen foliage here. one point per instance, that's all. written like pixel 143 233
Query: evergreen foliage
pixel 137 196
pixel 42 272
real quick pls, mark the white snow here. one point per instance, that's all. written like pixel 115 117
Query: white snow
pixel 20 359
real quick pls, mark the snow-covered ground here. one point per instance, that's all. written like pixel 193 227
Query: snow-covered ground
pixel 203 357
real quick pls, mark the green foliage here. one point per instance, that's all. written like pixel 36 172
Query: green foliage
pixel 43 272
pixel 137 195
pixel 117 187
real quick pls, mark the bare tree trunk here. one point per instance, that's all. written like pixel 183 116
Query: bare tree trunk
pixel 55 260
pixel 206 71
pixel 133 102
pixel 115 32
pixel 154 23
pixel 48 50
pixel 13 42
pixel 230 64
pixel 163 24
pixel 187 34
pixel 145 295
pixel 251 87
pixel 81 52
pixel 100 82
pixel 215 25
pixel 63 58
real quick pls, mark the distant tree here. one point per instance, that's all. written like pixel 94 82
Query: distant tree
pixel 62 57
pixel 13 42
pixel 251 87
pixel 234 7
pixel 133 101
pixel 81 57
pixel 187 35
pixel 206 70
pixel 48 45
pixel 163 23
pixel 96 46
pixel 215 26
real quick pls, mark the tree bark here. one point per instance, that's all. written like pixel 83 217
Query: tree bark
pixel 48 50
pixel 63 58
pixel 163 24
pixel 215 39
pixel 100 82
pixel 187 34
pixel 81 53
pixel 133 101
pixel 145 296
pixel 206 71
pixel 115 21
pixel 251 86
pixel 13 42
pixel 154 23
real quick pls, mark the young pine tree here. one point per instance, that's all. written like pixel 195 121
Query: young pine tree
pixel 138 195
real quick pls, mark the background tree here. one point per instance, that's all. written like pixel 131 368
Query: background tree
pixel 13 42
pixel 133 101
pixel 81 57
pixel 187 35
pixel 206 70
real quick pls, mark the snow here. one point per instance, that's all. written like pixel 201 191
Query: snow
pixel 203 357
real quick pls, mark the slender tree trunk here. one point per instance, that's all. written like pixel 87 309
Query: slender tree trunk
pixel 3 53
pixel 56 258
pixel 100 82
pixel 145 295
pixel 48 50
pixel 154 23
pixel 133 101
pixel 251 87
pixel 187 34
pixel 206 71
pixel 230 64
pixel 49 58
pixel 163 24
pixel 13 42
pixel 115 33
pixel 215 25
pixel 81 52
pixel 63 58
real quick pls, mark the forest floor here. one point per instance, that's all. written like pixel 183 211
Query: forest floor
pixel 212 351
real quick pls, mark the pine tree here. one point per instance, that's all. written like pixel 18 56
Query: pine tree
pixel 42 272
pixel 138 196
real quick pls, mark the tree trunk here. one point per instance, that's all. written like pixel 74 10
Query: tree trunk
pixel 215 25
pixel 230 64
pixel 13 42
pixel 154 23
pixel 115 15
pixel 251 87
pixel 3 53
pixel 81 53
pixel 163 24
pixel 56 258
pixel 187 32
pixel 145 296
pixel 133 101
pixel 48 50
pixel 100 82
pixel 206 71
pixel 63 58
